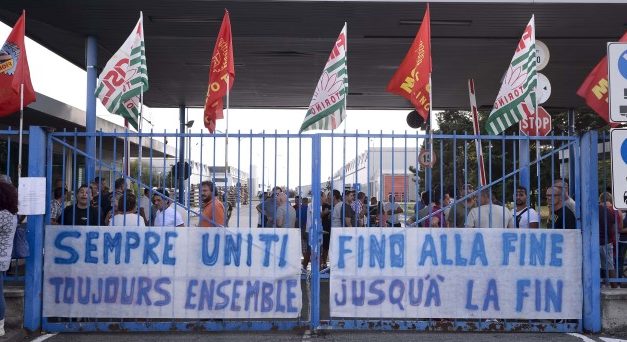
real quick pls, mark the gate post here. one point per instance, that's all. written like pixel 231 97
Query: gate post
pixel 590 232
pixel 315 232
pixel 34 262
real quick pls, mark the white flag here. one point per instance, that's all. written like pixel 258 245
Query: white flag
pixel 517 97
pixel 327 109
pixel 125 77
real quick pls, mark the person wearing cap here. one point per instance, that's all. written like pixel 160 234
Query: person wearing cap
pixel 166 215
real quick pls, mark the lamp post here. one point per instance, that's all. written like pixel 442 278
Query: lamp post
pixel 181 164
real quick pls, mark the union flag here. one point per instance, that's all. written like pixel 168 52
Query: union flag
pixel 14 72
pixel 221 74
pixel 595 89
pixel 411 79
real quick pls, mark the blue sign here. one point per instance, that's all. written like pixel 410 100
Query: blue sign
pixel 623 151
pixel 622 64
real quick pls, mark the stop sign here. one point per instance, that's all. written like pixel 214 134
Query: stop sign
pixel 542 121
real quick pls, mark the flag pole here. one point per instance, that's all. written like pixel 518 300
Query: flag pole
pixel 127 150
pixel 477 130
pixel 139 138
pixel 19 155
pixel 226 141
pixel 430 117
pixel 536 116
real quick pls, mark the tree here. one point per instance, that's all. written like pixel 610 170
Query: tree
pixel 457 161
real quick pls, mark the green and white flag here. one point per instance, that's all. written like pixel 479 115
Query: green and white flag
pixel 327 109
pixel 125 77
pixel 517 97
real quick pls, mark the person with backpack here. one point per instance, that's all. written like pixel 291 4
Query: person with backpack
pixel 524 216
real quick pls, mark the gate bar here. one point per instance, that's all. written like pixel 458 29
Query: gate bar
pixel 35 235
pixel 315 232
pixel 590 233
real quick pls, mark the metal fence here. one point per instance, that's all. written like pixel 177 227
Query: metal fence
pixel 381 168
pixel 612 223
pixel 8 166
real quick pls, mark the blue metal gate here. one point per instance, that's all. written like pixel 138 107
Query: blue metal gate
pixel 376 164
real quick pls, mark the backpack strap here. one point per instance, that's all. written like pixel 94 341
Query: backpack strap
pixel 519 216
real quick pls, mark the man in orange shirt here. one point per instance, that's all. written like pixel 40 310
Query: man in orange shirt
pixel 213 209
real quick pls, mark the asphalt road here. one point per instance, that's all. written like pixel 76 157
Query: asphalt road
pixel 339 336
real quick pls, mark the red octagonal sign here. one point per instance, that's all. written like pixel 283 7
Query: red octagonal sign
pixel 542 121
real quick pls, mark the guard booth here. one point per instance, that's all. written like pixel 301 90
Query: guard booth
pixel 249 277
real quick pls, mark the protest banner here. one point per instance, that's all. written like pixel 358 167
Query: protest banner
pixel 158 272
pixel 456 273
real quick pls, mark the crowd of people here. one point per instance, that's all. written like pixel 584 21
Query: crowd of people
pixel 440 209
pixel 95 205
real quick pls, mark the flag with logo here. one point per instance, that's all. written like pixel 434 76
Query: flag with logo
pixel 221 74
pixel 327 108
pixel 595 89
pixel 517 97
pixel 14 71
pixel 411 79
pixel 125 77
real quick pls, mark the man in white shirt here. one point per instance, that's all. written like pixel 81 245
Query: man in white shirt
pixel 166 215
pixel 393 210
pixel 524 216
pixel 489 215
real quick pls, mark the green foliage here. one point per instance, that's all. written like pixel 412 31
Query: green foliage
pixel 457 161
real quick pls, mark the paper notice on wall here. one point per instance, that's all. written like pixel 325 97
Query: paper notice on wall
pixel 31 196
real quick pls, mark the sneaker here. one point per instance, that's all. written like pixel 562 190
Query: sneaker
pixel 492 320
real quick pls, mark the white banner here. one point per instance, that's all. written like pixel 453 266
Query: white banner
pixel 456 273
pixel 159 272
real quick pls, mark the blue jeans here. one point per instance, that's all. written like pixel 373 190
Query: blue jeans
pixel 2 303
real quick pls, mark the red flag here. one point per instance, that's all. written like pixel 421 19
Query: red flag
pixel 595 88
pixel 14 71
pixel 411 80
pixel 221 74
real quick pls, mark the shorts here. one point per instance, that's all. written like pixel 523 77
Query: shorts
pixel 607 257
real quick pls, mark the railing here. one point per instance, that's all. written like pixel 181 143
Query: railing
pixel 8 167
pixel 612 223
pixel 375 165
